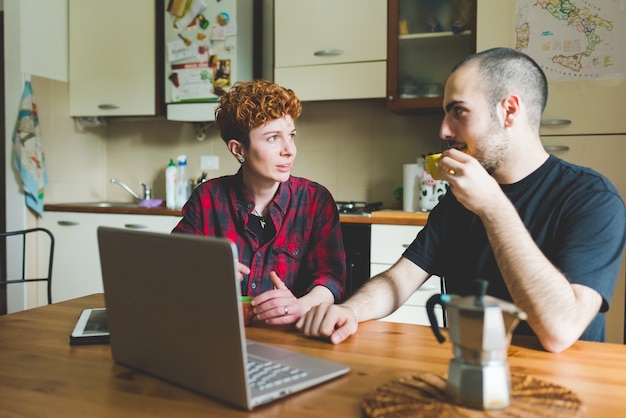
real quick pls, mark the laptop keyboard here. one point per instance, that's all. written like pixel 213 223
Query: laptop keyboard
pixel 264 374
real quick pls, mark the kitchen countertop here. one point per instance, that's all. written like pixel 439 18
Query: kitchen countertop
pixel 124 208
pixel 387 216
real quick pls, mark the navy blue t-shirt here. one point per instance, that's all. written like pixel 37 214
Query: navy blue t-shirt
pixel 574 214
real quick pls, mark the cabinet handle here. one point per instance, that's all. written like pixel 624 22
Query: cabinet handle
pixel 555 122
pixel 552 148
pixel 135 226
pixel 68 223
pixel 108 106
pixel 328 52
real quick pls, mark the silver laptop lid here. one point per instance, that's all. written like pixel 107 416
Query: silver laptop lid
pixel 173 309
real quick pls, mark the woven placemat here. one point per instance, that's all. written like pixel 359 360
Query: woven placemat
pixel 423 395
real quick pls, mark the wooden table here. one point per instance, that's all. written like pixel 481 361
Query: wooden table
pixel 42 375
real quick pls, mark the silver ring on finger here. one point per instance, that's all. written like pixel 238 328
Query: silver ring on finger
pixel 286 311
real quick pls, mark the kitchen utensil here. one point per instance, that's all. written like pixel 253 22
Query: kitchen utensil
pixel 480 329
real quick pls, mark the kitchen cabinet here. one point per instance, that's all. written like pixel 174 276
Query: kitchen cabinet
pixel 326 50
pixel 113 57
pixel 76 267
pixel 76 264
pixel 388 242
pixel 425 40
pixel 43 37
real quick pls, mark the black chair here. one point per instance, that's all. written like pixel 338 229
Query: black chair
pixel 20 237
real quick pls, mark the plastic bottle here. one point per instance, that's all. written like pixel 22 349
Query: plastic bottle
pixel 170 185
pixel 182 185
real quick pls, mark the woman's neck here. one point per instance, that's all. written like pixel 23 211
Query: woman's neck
pixel 262 194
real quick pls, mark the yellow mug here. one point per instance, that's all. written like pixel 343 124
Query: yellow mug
pixel 432 165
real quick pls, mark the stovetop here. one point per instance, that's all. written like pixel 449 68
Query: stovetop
pixel 358 208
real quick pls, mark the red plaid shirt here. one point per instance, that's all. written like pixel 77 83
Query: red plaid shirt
pixel 307 249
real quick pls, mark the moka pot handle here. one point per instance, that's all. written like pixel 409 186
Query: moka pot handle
pixel 439 299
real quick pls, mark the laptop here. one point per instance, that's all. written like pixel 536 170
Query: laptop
pixel 173 311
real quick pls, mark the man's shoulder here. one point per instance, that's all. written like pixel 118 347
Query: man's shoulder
pixel 579 189
pixel 567 172
pixel 582 174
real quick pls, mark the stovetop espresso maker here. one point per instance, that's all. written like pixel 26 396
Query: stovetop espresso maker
pixel 480 329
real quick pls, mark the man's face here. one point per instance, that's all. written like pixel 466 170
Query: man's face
pixel 272 150
pixel 468 124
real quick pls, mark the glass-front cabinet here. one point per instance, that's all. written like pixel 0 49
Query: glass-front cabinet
pixel 426 38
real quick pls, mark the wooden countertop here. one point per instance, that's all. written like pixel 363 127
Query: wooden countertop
pixel 122 209
pixel 390 217
pixel 42 375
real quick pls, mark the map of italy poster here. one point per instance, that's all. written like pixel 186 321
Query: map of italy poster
pixel 574 39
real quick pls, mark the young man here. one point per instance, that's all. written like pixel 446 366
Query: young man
pixel 286 228
pixel 546 235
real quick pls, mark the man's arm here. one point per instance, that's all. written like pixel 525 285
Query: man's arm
pixel 558 311
pixel 377 298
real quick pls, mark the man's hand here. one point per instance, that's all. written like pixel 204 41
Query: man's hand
pixel 470 183
pixel 337 322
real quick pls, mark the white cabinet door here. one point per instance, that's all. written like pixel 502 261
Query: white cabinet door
pixel 146 222
pixel 112 49
pixel 388 242
pixel 329 32
pixel 76 264
pixel 76 267
pixel 328 50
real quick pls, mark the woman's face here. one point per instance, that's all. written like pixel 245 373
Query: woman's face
pixel 272 151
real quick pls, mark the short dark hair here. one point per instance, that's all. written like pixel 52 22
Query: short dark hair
pixel 248 105
pixel 505 71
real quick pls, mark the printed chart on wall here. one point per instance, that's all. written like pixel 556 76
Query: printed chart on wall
pixel 574 39
pixel 200 37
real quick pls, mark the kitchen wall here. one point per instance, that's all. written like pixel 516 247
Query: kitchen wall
pixel 354 148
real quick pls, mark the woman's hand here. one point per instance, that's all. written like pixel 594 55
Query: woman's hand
pixel 278 306
pixel 242 270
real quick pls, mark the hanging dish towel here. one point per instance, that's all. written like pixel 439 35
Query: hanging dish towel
pixel 28 157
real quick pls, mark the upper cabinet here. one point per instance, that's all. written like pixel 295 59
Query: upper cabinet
pixel 426 39
pixel 43 36
pixel 112 57
pixel 326 49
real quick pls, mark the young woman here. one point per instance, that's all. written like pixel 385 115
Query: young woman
pixel 286 228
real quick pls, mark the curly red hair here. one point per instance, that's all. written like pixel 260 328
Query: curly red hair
pixel 248 105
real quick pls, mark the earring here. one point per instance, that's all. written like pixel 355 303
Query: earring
pixel 241 160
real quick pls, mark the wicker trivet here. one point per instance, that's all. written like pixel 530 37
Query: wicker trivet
pixel 424 396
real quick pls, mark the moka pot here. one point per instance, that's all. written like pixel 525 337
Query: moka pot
pixel 480 329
